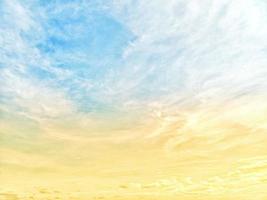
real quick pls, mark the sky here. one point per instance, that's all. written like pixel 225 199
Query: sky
pixel 133 99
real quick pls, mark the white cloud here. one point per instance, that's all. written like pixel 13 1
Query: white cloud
pixel 185 52
pixel 201 50
pixel 35 98
pixel 27 95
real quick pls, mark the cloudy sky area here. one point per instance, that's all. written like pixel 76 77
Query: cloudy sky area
pixel 62 58
pixel 129 75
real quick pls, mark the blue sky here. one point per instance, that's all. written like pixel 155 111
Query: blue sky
pixel 67 45
pixel 92 56
pixel 100 91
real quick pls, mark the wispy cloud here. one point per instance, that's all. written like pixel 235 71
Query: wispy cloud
pixel 137 89
pixel 204 50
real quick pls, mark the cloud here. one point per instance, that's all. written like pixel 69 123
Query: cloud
pixel 156 97
pixel 198 50
pixel 35 98
pixel 129 57
pixel 20 89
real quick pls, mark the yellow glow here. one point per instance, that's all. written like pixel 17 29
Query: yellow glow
pixel 214 152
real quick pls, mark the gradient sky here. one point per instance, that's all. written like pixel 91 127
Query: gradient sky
pixel 133 99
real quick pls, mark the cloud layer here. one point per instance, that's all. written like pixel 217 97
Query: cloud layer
pixel 142 98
